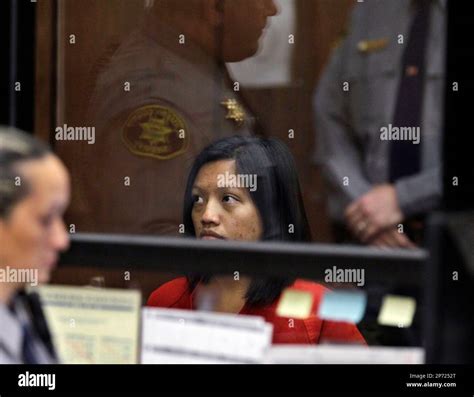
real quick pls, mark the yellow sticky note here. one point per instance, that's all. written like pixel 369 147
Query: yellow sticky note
pixel 295 304
pixel 397 311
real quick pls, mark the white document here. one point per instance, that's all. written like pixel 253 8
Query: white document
pixel 171 336
pixel 271 67
pixel 339 354
pixel 93 325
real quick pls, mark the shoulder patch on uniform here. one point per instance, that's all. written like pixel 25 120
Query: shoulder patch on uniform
pixel 156 131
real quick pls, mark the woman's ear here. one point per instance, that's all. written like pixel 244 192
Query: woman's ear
pixel 213 12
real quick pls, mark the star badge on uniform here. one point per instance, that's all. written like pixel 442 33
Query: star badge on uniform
pixel 235 111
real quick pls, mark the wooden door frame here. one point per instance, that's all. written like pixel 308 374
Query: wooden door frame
pixel 46 69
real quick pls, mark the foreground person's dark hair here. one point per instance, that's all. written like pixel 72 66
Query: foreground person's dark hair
pixel 15 148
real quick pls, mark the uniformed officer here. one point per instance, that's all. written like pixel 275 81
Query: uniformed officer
pixel 386 74
pixel 161 98
pixel 34 191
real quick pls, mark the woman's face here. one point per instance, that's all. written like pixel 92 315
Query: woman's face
pixel 34 233
pixel 223 212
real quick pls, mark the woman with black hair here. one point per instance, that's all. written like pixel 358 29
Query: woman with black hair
pixel 246 188
pixel 34 193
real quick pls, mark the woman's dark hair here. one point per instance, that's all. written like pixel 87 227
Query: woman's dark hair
pixel 15 148
pixel 277 197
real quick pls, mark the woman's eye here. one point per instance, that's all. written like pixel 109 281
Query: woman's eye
pixel 229 199
pixel 197 200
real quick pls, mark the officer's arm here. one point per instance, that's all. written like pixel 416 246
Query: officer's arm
pixel 419 193
pixel 336 149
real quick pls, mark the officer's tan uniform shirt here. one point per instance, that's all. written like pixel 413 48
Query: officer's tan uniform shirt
pixel 155 106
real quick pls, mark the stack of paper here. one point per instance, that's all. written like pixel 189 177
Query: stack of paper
pixel 332 354
pixel 172 336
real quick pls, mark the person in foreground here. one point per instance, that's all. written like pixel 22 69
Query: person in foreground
pixel 34 193
pixel 217 206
